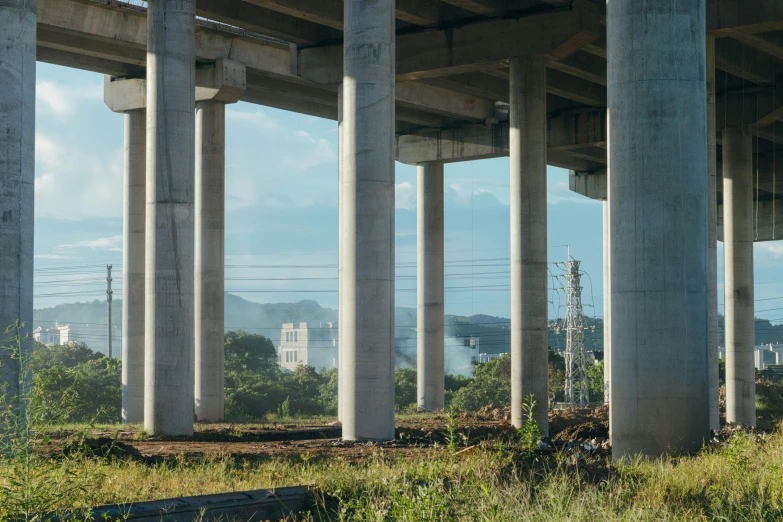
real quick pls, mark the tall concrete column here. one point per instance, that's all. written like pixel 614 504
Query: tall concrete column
pixel 133 226
pixel 529 305
pixel 430 374
pixel 738 275
pixel 17 176
pixel 658 226
pixel 368 220
pixel 216 85
pixel 340 205
pixel 209 264
pixel 607 303
pixel 712 240
pixel 169 345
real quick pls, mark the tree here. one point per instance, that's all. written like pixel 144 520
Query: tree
pixel 492 385
pixel 251 352
pixel 595 378
pixel 66 355
pixel 405 389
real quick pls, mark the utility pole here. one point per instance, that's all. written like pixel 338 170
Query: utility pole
pixel 108 307
pixel 576 382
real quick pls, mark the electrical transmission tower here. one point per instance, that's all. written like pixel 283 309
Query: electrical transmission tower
pixel 576 383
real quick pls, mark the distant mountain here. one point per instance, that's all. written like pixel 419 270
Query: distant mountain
pixel 266 319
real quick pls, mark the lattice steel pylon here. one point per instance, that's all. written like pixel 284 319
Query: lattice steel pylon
pixel 576 382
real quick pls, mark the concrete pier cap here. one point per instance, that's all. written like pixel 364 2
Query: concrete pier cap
pixel 221 81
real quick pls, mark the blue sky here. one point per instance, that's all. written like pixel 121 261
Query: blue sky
pixel 281 221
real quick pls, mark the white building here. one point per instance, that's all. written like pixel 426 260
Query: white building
pixel 47 336
pixel 763 355
pixel 305 345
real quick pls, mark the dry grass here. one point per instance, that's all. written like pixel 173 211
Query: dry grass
pixel 742 481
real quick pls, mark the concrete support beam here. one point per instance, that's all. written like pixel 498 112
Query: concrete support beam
pixel 593 186
pixel 425 13
pixel 133 240
pixel 340 255
pixel 529 304
pixel 324 12
pixel 367 163
pixel 658 227
pixel 753 16
pixel 430 383
pixel 738 273
pixel 607 303
pixel 169 345
pixel 712 239
pixel 129 97
pixel 129 28
pixel 443 52
pixel 216 85
pixel 252 17
pixel 17 177
pixel 744 62
pixel 209 263
pixel 76 60
pixel 767 222
pixel 491 8
pixel 566 132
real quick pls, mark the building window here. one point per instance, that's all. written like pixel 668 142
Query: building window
pixel 296 356
pixel 296 336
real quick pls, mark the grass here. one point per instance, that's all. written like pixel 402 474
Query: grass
pixel 742 481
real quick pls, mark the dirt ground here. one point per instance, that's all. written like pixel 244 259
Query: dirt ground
pixel 417 435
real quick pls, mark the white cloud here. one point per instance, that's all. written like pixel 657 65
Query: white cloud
pixel 63 100
pixel 405 196
pixel 771 247
pixel 307 152
pixel 108 244
pixel 77 182
pixel 255 118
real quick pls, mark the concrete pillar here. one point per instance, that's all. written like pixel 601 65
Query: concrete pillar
pixel 209 264
pixel 17 176
pixel 367 161
pixel 169 345
pixel 529 305
pixel 658 226
pixel 430 380
pixel 340 205
pixel 607 303
pixel 712 241
pixel 133 226
pixel 738 274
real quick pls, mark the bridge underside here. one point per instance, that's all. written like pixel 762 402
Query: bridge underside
pixel 464 80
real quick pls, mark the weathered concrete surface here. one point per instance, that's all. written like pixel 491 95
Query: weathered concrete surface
pixel 593 186
pixel 129 96
pixel 169 345
pixel 480 141
pixel 340 260
pixel 767 225
pixel 607 333
pixel 367 163
pixel 529 304
pixel 209 264
pixel 133 241
pixel 738 277
pixel 712 239
pixel 17 176
pixel 216 85
pixel 430 370
pixel 657 189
